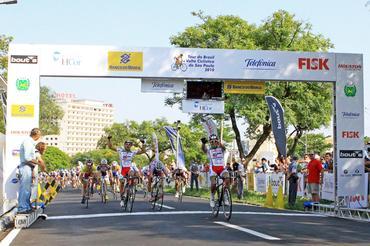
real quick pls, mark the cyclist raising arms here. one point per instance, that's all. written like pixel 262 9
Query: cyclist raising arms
pixel 125 157
pixel 215 154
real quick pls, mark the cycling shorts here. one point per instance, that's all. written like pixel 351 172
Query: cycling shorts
pixel 126 170
pixel 217 170
pixel 115 174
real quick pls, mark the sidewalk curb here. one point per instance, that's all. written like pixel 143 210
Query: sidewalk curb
pixel 7 219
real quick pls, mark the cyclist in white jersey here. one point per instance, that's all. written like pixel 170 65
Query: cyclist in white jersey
pixel 125 158
pixel 217 164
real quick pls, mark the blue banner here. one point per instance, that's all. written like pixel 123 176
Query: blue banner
pixel 172 135
pixel 278 126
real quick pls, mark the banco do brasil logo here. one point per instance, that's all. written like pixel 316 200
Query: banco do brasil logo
pixel 350 89
pixel 125 58
pixel 23 84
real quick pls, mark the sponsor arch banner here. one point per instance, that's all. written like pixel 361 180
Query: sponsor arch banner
pixel 27 63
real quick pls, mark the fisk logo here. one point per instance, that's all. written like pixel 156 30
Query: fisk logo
pixel 350 134
pixel 313 63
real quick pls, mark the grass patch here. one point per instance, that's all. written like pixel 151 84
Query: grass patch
pixel 250 197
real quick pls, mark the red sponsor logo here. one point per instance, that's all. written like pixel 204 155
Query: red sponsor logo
pixel 313 63
pixel 351 67
pixel 350 134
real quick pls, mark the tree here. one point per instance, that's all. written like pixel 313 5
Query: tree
pixel 4 47
pixel 56 159
pixel 190 133
pixel 311 143
pixel 307 106
pixel 50 112
pixel 95 155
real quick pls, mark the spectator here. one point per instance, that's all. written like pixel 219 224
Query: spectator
pixel 206 173
pixel 314 169
pixel 258 168
pixel 293 181
pixel 328 162
pixel 265 166
pixel 194 169
pixel 28 160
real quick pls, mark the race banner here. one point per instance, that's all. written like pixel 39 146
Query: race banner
pixel 327 190
pixel 260 182
pixel 172 135
pixel 278 126
pixel 209 125
pixel 155 143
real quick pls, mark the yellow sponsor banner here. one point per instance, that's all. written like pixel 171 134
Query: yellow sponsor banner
pixel 23 110
pixel 125 61
pixel 244 87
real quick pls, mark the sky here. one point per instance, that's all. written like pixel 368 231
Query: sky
pixel 151 23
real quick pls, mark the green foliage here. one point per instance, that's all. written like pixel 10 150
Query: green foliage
pixel 315 143
pixel 50 112
pixel 131 130
pixel 56 159
pixel 307 106
pixel 4 47
pixel 95 155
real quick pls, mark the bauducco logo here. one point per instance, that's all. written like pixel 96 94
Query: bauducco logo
pixel 351 154
pixel 23 59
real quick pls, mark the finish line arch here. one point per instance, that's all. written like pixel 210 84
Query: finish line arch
pixel 29 62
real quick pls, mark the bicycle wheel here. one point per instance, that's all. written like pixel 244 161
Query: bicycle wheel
pixel 180 191
pixel 114 188
pixel 240 188
pixel 174 67
pixel 131 198
pixel 105 193
pixel 216 208
pixel 227 204
pixel 183 67
pixel 159 196
pixel 102 191
pixel 127 195
pixel 154 194
pixel 87 197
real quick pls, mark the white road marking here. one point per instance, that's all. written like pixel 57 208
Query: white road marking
pixel 168 207
pixel 249 231
pixel 10 237
pixel 87 216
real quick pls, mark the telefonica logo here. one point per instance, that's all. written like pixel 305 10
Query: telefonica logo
pixel 350 115
pixel 259 64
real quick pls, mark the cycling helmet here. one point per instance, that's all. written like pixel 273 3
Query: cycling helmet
pixel 103 162
pixel 89 162
pixel 114 163
pixel 213 137
pixel 129 142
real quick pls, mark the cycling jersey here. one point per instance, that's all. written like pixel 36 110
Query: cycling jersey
pixel 216 158
pixel 103 169
pixel 87 172
pixel 125 158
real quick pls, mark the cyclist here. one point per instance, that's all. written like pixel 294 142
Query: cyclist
pixel 215 153
pixel 178 60
pixel 156 168
pixel 105 173
pixel 87 172
pixel 180 173
pixel 115 174
pixel 125 156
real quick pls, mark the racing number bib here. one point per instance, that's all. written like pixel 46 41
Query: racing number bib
pixel 126 157
pixel 217 157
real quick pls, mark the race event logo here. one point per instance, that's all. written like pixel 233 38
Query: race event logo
pixel 125 61
pixel 22 84
pixel 350 115
pixel 350 134
pixel 313 63
pixel 63 60
pixel 24 59
pixel 351 154
pixel 24 111
pixel 350 67
pixel 259 64
pixel 350 89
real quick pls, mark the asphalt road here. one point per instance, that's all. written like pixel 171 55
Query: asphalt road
pixel 189 223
